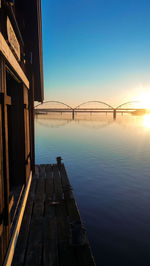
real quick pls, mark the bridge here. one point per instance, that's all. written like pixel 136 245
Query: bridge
pixel 88 107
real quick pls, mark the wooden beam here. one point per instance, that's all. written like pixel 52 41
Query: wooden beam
pixel 5 98
pixel 11 203
pixel 5 50
pixel 13 242
pixel 1 229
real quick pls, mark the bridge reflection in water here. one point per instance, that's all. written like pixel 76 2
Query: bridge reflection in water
pixel 57 120
pixel 89 107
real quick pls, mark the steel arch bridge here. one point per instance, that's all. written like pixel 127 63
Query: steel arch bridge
pixel 57 102
pixel 46 107
pixel 126 103
pixel 78 107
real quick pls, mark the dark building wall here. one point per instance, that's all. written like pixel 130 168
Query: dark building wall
pixel 28 15
pixel 21 82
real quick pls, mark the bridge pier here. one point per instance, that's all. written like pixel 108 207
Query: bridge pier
pixel 114 114
pixel 73 114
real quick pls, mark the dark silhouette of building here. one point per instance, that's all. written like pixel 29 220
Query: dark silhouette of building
pixel 21 83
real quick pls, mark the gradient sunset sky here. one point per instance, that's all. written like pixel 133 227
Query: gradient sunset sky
pixel 96 50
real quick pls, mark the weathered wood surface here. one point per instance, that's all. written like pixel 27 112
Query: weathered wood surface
pixel 48 234
pixel 6 51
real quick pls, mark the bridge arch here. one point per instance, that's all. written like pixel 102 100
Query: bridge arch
pixel 54 102
pixel 108 105
pixel 126 104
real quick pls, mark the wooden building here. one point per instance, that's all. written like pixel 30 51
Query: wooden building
pixel 21 82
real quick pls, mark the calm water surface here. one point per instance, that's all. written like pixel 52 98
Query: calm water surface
pixel 108 163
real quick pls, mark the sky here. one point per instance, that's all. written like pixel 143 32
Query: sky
pixel 96 50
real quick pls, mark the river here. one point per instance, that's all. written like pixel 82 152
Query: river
pixel 108 163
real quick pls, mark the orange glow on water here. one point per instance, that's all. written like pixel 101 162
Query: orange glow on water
pixel 146 121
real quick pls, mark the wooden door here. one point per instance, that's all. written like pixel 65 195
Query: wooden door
pixel 4 169
pixel 4 176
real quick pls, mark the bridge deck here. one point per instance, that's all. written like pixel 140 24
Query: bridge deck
pixel 52 231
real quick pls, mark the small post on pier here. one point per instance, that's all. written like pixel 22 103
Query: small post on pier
pixel 59 159
pixel 73 114
pixel 114 114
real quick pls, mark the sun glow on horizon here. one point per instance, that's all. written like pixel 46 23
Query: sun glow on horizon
pixel 146 121
pixel 144 101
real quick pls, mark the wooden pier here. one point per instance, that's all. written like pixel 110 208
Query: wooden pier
pixel 52 232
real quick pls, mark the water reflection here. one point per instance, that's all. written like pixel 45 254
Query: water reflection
pixel 108 163
pixel 91 121
pixel 95 121
pixel 146 121
pixel 53 123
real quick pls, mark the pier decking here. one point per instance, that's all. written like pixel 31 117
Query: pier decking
pixel 52 232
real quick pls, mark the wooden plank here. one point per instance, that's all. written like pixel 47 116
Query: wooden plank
pixel 5 50
pixel 1 192
pixel 12 245
pixel 34 251
pixel 37 170
pixel 38 209
pixel 67 189
pixel 49 232
pixel 42 172
pixel 7 100
pixel 83 252
pixel 1 245
pixel 50 251
pixel 26 97
pixel 64 176
pixel 63 224
pixel 35 246
pixel 84 255
pixel 30 233
pixel 20 251
pixel 72 208
pixel 2 66
pixel 49 188
pixel 11 202
pixel 57 184
pixel 16 204
pixel 40 190
pixel 1 229
pixel 66 253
